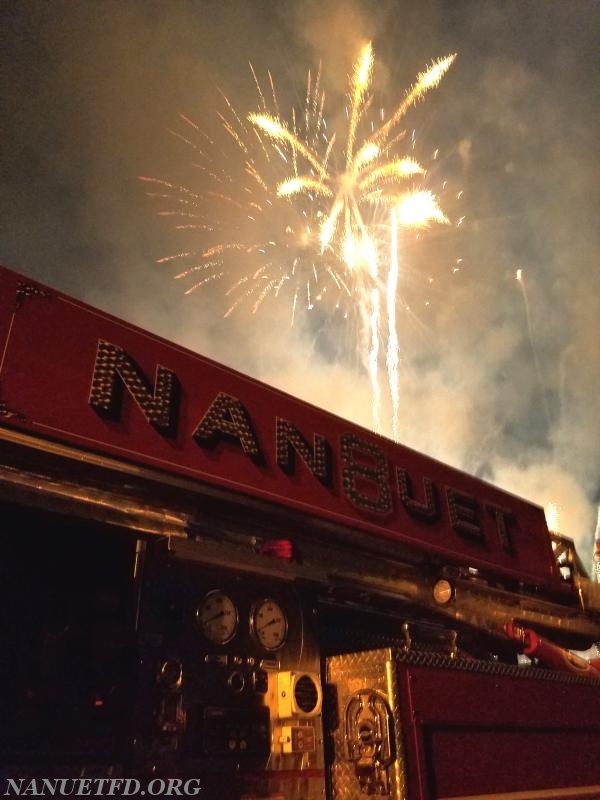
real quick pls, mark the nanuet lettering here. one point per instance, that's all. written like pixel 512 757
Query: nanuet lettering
pixel 368 481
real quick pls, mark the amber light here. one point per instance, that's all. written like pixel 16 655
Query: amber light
pixel 443 592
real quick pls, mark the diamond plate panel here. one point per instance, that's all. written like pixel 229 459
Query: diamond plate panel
pixel 362 681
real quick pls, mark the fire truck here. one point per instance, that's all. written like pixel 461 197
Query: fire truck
pixel 205 578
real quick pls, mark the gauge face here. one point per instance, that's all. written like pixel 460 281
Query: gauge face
pixel 268 624
pixel 217 617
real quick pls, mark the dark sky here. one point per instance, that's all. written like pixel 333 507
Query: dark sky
pixel 498 377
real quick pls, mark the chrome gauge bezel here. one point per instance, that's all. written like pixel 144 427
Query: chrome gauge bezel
pixel 215 638
pixel 254 629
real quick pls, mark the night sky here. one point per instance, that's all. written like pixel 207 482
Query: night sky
pixel 498 377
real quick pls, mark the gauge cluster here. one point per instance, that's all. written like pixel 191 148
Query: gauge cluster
pixel 215 616
pixel 219 619
pixel 230 669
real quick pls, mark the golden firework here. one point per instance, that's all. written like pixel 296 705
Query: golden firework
pixel 370 176
pixel 278 215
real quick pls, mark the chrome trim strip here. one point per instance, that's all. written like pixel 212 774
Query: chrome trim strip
pixel 91 502
pixel 536 794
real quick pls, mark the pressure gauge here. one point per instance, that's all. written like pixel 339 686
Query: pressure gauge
pixel 268 624
pixel 217 617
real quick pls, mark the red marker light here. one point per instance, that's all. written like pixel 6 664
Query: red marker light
pixel 280 548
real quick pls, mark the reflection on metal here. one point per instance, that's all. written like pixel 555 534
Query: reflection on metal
pixel 548 654
pixel 45 448
pixel 9 413
pixel 89 502
pixel 589 593
pixel 171 674
pixel 476 604
pixel 370 742
pixel 299 695
pixel 443 592
pixel 368 753
pixel 566 557
pixel 432 637
pixel 138 575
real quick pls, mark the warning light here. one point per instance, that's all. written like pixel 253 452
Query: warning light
pixel 280 548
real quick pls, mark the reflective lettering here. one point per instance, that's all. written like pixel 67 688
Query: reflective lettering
pixel 289 442
pixel 463 514
pixel 366 485
pixel 502 516
pixel 227 418
pixel 428 510
pixel 114 369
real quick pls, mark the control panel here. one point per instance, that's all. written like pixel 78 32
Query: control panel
pixel 231 671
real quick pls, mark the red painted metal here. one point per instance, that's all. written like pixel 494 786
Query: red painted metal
pixel 482 735
pixel 48 346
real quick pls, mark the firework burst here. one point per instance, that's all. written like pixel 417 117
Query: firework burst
pixel 291 209
pixel 289 219
pixel 371 176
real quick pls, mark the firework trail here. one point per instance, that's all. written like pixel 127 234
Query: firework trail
pixel 521 281
pixel 392 343
pixel 552 514
pixel 279 219
pixel 595 571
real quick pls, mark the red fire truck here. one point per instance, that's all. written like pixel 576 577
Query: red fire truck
pixel 207 580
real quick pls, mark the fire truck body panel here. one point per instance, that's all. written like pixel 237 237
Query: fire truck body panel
pixel 203 577
pixel 220 427
pixel 459 729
